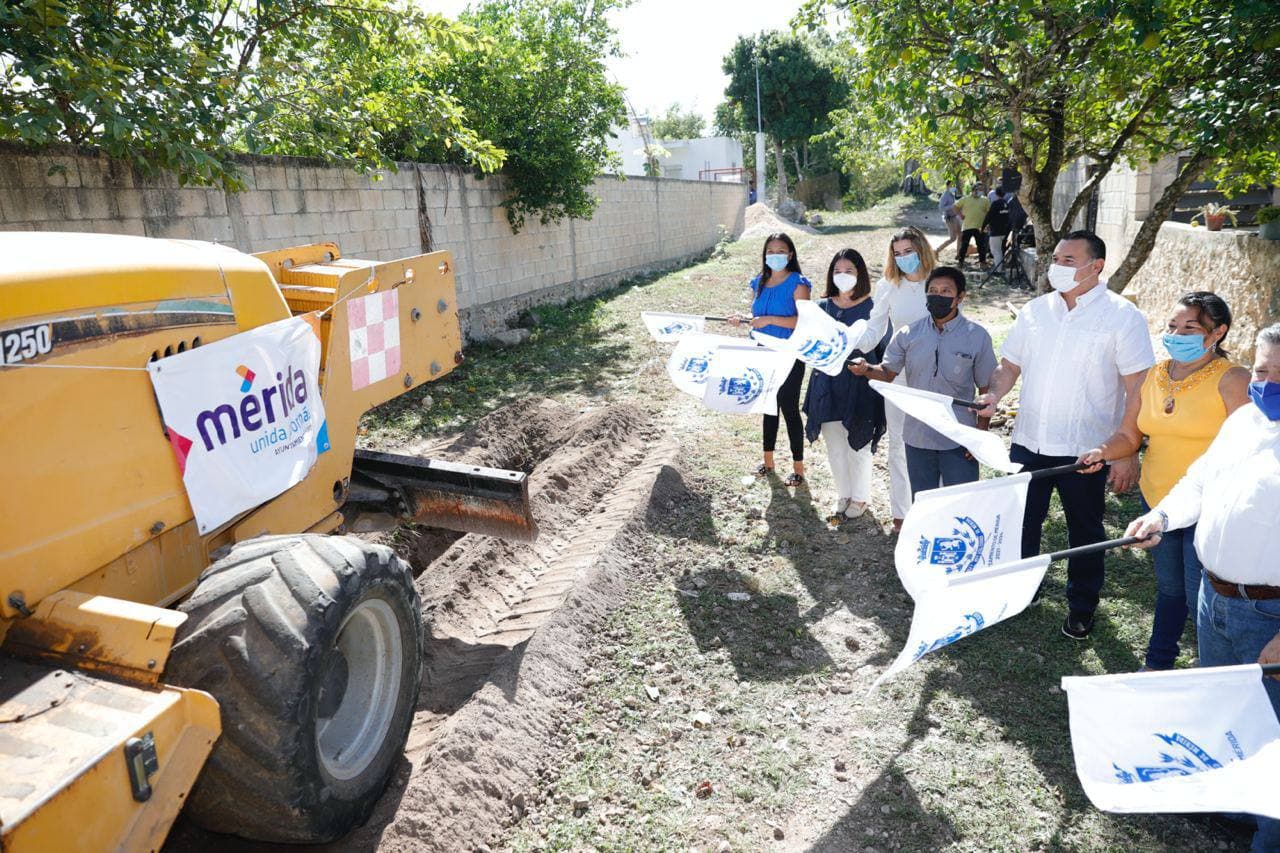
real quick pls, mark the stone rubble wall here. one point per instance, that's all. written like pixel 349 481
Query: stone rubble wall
pixel 1239 266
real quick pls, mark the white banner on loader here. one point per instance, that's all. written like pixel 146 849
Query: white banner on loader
pixel 244 416
pixel 1188 740
pixel 744 380
pixel 691 358
pixel 819 340
pixel 965 604
pixel 957 529
pixel 666 327
pixel 935 410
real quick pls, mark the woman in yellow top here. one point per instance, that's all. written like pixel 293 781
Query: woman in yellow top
pixel 1184 402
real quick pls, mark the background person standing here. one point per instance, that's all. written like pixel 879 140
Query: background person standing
pixel 950 216
pixel 1083 353
pixel 973 209
pixel 996 225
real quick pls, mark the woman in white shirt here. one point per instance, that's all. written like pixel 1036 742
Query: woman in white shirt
pixel 899 301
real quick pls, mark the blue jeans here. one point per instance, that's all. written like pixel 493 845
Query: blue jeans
pixel 1233 631
pixel 927 469
pixel 1178 571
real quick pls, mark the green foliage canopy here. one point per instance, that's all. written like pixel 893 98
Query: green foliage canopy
pixel 542 93
pixel 678 124
pixel 798 88
pixel 181 85
pixel 966 82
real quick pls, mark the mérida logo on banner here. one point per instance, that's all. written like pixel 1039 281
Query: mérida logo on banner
pixel 274 409
pixel 244 416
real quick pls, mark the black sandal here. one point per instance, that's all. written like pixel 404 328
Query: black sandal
pixel 762 470
pixel 793 480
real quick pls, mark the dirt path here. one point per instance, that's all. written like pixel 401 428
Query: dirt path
pixel 682 660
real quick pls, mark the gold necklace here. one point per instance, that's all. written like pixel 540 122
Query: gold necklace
pixel 1169 386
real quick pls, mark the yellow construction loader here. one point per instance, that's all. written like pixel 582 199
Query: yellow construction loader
pixel 262 674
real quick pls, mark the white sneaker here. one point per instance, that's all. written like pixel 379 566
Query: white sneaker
pixel 842 505
pixel 854 509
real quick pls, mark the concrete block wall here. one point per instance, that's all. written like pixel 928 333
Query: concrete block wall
pixel 641 224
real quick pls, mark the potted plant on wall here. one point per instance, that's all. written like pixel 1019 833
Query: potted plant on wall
pixel 1214 215
pixel 1269 222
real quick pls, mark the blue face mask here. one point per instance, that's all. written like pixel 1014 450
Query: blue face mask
pixel 777 263
pixel 908 263
pixel 1266 396
pixel 1185 348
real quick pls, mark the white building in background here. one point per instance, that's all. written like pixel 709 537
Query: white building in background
pixel 712 158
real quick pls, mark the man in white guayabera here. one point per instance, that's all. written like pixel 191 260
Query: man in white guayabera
pixel 1232 495
pixel 1082 352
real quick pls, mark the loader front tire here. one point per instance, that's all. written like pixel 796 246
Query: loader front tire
pixel 312 646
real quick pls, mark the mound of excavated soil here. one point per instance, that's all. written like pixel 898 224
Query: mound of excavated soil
pixel 510 623
pixel 761 220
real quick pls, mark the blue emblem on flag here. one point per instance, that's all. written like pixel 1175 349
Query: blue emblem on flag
pixel 1187 758
pixel 696 366
pixel 677 328
pixel 959 552
pixel 745 388
pixel 972 622
pixel 822 351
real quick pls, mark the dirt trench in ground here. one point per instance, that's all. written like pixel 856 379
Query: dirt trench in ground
pixel 510 623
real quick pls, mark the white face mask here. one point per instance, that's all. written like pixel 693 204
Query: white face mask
pixel 1062 278
pixel 845 281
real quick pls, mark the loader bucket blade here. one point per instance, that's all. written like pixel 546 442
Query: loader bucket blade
pixel 454 496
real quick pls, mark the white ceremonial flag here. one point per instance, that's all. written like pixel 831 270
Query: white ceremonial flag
pixel 957 529
pixel 244 416
pixel 1187 740
pixel 965 604
pixel 935 410
pixel 691 358
pixel 819 340
pixel 745 379
pixel 666 327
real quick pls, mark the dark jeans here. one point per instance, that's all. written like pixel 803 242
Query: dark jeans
pixel 789 407
pixel 927 468
pixel 1232 631
pixel 1178 571
pixel 1083 498
pixel 963 251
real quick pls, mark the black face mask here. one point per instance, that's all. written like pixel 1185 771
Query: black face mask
pixel 939 306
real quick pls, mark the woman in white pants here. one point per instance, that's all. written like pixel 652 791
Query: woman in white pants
pixel 844 409
pixel 899 301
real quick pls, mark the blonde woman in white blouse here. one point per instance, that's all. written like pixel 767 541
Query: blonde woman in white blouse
pixel 899 301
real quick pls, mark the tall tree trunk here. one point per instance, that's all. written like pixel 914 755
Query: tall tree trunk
pixel 1145 240
pixel 1039 184
pixel 781 165
pixel 795 155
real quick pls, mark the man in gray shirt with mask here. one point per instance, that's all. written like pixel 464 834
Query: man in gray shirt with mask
pixel 948 354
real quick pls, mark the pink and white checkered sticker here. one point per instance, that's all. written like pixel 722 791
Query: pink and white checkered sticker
pixel 374 329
